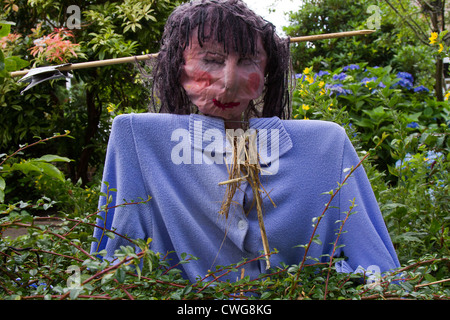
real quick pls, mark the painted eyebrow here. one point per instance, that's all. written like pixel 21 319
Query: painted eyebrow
pixel 215 53
pixel 224 55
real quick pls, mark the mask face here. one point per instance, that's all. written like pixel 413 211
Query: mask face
pixel 222 84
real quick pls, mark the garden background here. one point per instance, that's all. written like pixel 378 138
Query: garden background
pixel 387 89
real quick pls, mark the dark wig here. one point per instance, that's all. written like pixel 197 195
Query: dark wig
pixel 233 24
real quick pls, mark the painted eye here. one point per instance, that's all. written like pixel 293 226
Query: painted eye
pixel 246 61
pixel 213 58
pixel 213 61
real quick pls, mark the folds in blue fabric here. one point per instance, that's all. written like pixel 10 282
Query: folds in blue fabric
pixel 178 160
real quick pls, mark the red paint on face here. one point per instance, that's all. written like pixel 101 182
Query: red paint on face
pixel 254 81
pixel 202 79
pixel 219 83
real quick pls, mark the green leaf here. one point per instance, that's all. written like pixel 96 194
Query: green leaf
pixel 50 170
pixel 107 277
pixel 10 65
pixel 138 269
pixel 26 167
pixel 316 240
pixel 2 184
pixel 53 158
pixel 110 234
pixel 15 63
pixel 74 293
pixel 265 295
pixel 120 275
pixel 149 262
pixel 5 29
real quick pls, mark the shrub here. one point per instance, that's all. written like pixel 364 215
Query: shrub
pixel 52 261
pixel 370 101
pixel 409 173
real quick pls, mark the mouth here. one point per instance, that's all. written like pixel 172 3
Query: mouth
pixel 224 106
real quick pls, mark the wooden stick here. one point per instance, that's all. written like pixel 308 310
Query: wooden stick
pixel 108 62
pixel 93 64
pixel 331 35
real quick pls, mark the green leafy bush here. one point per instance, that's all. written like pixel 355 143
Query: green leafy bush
pixel 395 122
pixel 53 261
pixel 370 101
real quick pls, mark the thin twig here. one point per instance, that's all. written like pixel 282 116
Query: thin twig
pixel 334 248
pixel 431 283
pixel 294 285
pixel 33 144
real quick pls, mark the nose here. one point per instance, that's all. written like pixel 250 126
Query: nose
pixel 230 76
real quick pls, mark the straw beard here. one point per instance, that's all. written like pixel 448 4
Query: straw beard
pixel 245 166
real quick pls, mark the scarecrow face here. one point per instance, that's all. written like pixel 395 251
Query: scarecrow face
pixel 222 84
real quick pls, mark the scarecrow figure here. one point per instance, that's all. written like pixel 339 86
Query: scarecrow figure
pixel 223 196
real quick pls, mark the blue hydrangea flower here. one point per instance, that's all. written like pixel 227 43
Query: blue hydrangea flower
pixel 322 73
pixel 340 76
pixel 413 125
pixel 365 80
pixel 372 79
pixel 432 156
pixel 338 89
pixel 405 75
pixel 351 67
pixel 406 80
pixel 421 89
pixel 407 158
pixel 405 83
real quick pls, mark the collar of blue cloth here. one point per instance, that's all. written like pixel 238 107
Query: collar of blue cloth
pixel 271 133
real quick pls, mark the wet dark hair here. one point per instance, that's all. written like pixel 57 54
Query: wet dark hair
pixel 233 24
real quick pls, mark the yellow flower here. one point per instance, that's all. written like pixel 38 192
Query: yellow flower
pixel 433 37
pixel 321 84
pixel 447 95
pixel 305 107
pixel 110 107
pixel 296 116
pixel 441 47
pixel 307 70
pixel 305 118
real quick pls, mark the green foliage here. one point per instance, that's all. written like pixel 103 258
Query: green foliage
pixel 393 43
pixel 53 260
pixel 42 180
pixel 8 62
pixel 409 172
pixel 370 101
pixel 107 30
pixel 416 210
pixel 393 119
pixel 329 16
